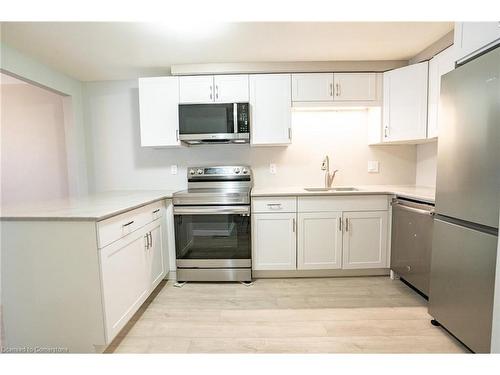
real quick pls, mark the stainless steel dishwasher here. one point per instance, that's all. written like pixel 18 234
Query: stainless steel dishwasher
pixel 411 242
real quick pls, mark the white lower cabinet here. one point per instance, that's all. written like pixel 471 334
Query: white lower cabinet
pixel 155 263
pixel 319 239
pixel 131 268
pixel 327 237
pixel 365 240
pixel 124 280
pixel 273 241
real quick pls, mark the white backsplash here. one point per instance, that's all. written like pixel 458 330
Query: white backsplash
pixel 426 164
pixel 118 162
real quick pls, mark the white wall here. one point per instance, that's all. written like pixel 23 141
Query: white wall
pixel 116 160
pixel 426 164
pixel 18 64
pixel 33 146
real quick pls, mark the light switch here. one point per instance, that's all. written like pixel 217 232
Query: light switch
pixel 173 169
pixel 373 166
pixel 272 168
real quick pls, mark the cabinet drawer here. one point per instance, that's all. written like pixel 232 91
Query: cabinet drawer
pixel 343 203
pixel 278 204
pixel 118 226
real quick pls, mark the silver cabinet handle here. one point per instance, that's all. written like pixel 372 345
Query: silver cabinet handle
pixel 127 224
pixel 157 210
pixel 177 135
pixel 150 240
pixel 331 89
pixel 274 206
pixel 293 225
pixel 211 91
pixel 290 133
pixel 386 128
pixel 340 224
pixel 146 240
pixel 337 89
pixel 216 91
pixel 346 224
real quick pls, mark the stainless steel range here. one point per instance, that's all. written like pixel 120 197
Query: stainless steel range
pixel 212 225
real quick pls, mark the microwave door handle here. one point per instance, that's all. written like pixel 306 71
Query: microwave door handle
pixel 235 118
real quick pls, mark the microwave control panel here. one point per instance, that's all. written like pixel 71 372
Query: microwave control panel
pixel 243 111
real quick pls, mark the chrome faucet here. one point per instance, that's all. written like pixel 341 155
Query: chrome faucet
pixel 325 166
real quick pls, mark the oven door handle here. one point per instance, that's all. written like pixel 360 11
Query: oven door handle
pixel 212 210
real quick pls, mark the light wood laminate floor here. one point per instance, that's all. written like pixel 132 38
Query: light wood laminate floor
pixel 320 315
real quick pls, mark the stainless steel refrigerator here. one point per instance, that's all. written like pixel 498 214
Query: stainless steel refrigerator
pixel 464 247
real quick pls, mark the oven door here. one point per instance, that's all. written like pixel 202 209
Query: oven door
pixel 206 121
pixel 212 236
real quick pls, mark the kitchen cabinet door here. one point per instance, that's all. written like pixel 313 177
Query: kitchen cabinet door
pixel 231 88
pixel 273 241
pixel 155 263
pixel 355 86
pixel 312 87
pixel 365 240
pixel 439 65
pixel 319 240
pixel 472 38
pixel 270 109
pixel 124 281
pixel 158 111
pixel 196 89
pixel 405 103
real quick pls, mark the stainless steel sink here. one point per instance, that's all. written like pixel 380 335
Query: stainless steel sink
pixel 331 189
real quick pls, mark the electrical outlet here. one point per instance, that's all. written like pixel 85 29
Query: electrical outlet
pixel 373 166
pixel 272 168
pixel 173 169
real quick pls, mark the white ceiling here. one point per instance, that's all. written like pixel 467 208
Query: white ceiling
pixel 91 51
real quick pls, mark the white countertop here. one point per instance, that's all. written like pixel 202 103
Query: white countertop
pixel 92 207
pixel 422 193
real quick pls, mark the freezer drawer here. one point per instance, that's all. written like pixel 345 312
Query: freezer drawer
pixel 462 282
pixel 411 242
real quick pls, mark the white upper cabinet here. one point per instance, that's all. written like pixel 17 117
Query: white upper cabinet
pixel 439 65
pixel 210 89
pixel 158 111
pixel 270 109
pixel 405 103
pixel 196 89
pixel 355 86
pixel 334 87
pixel 365 240
pixel 231 88
pixel 309 87
pixel 471 38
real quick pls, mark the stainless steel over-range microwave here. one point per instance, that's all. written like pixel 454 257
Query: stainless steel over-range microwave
pixel 214 123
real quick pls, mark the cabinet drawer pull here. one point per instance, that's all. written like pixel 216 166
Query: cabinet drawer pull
pixel 127 224
pixel 150 240
pixel 340 224
pixel 346 224
pixel 146 240
pixel 157 210
pixel 274 206
pixel 331 89
pixel 294 225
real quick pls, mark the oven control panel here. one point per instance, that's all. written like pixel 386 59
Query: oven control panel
pixel 225 171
